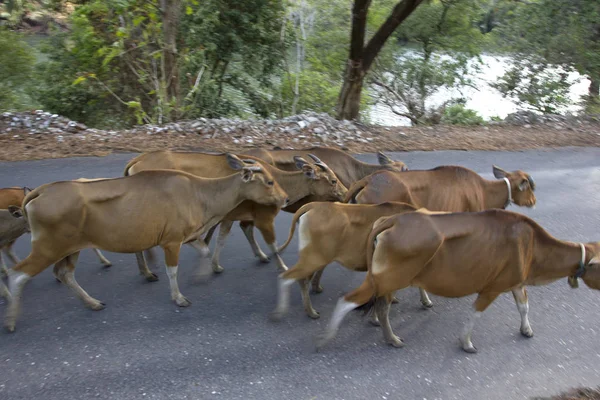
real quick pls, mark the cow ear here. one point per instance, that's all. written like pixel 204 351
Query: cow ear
pixel 499 173
pixel 309 171
pixel 383 159
pixel 15 211
pixel 234 162
pixel 300 162
pixel 26 190
pixel 595 261
pixel 247 175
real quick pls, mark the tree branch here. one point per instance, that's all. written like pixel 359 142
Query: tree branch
pixel 400 12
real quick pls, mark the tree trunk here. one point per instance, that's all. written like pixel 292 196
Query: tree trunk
pixel 349 100
pixel 361 57
pixel 171 11
pixel 594 88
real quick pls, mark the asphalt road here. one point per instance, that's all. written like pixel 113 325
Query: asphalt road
pixel 142 346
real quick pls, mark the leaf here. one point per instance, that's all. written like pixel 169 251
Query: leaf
pixel 188 10
pixel 79 80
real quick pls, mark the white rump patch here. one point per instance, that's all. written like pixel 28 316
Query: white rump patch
pixel 303 233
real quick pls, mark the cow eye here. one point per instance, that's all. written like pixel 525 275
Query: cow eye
pixel 334 182
pixel 270 183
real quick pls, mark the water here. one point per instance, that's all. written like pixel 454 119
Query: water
pixel 487 101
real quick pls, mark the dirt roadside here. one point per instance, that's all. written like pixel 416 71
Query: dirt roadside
pixel 21 145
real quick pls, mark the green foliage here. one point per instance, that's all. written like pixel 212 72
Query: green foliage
pixel 458 114
pixel 16 67
pixel 563 33
pixel 536 86
pixel 443 38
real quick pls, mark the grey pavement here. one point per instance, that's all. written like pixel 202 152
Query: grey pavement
pixel 224 346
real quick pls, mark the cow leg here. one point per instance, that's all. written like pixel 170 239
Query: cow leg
pixel 18 276
pixel 101 257
pixel 308 263
pixel 3 269
pixel 209 234
pixel 143 267
pixel 425 300
pixel 382 310
pixel 520 295
pixel 267 229
pixel 203 269
pixel 65 271
pixel 225 228
pixel 316 281
pixel 344 305
pixel 8 250
pixel 248 229
pixel 481 303
pixel 172 261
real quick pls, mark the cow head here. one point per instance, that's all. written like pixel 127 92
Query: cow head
pixel 325 184
pixel 387 163
pixel 258 184
pixel 522 186
pixel 591 276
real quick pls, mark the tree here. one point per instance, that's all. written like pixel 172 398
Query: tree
pixel 16 67
pixel 444 46
pixel 560 33
pixel 362 56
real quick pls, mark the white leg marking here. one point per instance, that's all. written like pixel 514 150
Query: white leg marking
pixel 273 246
pixel 303 233
pixel 176 295
pixel 425 300
pixel 525 326
pixel 467 332
pixel 342 308
pixel 283 298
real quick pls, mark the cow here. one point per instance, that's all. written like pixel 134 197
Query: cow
pixel 12 226
pixel 163 208
pixel 347 168
pixel 14 196
pixel 458 254
pixel 329 232
pixel 445 188
pixel 308 179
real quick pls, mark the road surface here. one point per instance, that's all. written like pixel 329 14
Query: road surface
pixel 142 346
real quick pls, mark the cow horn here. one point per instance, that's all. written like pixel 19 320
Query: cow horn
pixel 253 168
pixel 531 182
pixel 318 162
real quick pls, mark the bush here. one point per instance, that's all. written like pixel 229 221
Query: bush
pixel 458 114
pixel 16 68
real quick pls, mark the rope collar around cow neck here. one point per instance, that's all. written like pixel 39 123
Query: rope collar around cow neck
pixel 580 270
pixel 509 193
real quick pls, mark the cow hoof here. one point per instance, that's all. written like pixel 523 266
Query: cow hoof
pixel 470 349
pixel 58 280
pixel 9 327
pixel 97 306
pixel 217 269
pixel 183 302
pixel 277 315
pixel 313 314
pixel 107 265
pixel 264 259
pixel 152 277
pixel 317 289
pixel 374 321
pixel 428 305
pixel 395 300
pixel 528 333
pixel 396 342
pixel 322 339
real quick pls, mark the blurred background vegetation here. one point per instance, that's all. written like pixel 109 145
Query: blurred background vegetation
pixel 116 63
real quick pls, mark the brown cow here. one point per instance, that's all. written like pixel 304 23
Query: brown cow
pixel 12 226
pixel 458 254
pixel 315 180
pixel 14 196
pixel 329 232
pixel 347 168
pixel 446 188
pixel 128 215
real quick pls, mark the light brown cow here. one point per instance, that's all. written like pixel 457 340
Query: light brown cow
pixel 12 226
pixel 347 168
pixel 128 215
pixel 14 197
pixel 446 188
pixel 329 232
pixel 315 180
pixel 458 254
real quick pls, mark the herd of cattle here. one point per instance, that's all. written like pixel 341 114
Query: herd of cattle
pixel 443 230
